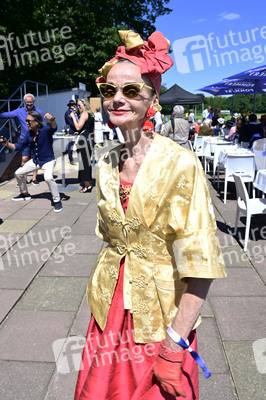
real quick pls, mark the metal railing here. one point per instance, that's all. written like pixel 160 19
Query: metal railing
pixel 17 97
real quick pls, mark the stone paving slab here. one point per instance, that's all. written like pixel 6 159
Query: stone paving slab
pixel 29 214
pixel 7 240
pixel 259 263
pixel 250 384
pixel 85 243
pixel 217 387
pixel 5 193
pixel 43 201
pixel 84 226
pixel 256 247
pixel 225 238
pixel 206 310
pixel 210 345
pixel 31 254
pixel 8 299
pixel 48 234
pixel 81 323
pixel 240 318
pixel 62 386
pixel 6 215
pixel 234 256
pixel 24 380
pixel 54 294
pixel 17 226
pixel 249 285
pixel 77 265
pixel 17 276
pixel 28 335
pixel 67 217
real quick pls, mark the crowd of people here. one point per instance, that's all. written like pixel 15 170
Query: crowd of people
pixel 238 128
pixel 35 143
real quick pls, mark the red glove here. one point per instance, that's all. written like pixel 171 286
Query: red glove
pixel 167 370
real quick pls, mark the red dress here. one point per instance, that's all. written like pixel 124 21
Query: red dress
pixel 114 367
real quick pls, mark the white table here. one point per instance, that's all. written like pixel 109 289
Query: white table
pixel 235 151
pixel 63 138
pixel 260 180
pixel 209 143
pixel 211 149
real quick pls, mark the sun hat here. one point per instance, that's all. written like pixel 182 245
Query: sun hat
pixel 151 56
pixel 220 121
pixel 71 102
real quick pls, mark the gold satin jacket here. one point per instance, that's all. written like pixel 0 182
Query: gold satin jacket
pixel 169 204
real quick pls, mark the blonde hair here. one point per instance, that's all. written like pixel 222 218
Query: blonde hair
pixel 87 106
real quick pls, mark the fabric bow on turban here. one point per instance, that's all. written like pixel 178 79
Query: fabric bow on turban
pixel 150 56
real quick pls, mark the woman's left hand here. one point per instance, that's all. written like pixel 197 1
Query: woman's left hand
pixel 168 370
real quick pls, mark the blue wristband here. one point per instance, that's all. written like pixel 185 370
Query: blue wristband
pixel 185 343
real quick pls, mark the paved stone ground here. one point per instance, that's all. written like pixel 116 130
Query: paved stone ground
pixel 46 259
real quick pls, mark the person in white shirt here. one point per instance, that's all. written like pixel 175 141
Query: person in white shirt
pixel 191 115
pixel 158 122
pixel 98 128
pixel 205 113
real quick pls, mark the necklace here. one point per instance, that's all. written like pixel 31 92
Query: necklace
pixel 124 192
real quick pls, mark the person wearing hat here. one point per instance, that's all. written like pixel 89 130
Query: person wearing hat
pixel 71 130
pixel 151 193
pixel 218 129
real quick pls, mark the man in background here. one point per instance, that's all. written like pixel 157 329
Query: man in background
pixel 21 113
pixel 40 141
pixel 247 131
pixel 177 128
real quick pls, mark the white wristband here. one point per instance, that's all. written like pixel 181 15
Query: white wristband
pixel 176 338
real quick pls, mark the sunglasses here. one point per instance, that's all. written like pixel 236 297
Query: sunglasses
pixel 29 121
pixel 129 90
pixel 80 105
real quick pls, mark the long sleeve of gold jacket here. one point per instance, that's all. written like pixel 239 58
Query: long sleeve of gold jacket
pixel 169 205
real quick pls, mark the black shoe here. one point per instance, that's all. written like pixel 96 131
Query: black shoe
pixel 22 197
pixel 58 207
pixel 35 182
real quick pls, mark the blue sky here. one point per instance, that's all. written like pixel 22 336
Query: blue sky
pixel 212 41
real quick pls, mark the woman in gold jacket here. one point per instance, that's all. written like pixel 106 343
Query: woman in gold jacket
pixel 152 195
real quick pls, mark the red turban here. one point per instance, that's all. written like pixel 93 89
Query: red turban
pixel 150 56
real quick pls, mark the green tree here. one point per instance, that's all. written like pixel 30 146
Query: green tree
pixel 93 29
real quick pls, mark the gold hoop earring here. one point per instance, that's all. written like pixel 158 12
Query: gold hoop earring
pixel 157 107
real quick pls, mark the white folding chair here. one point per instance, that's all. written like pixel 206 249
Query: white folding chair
pixel 217 150
pixel 190 147
pixel 259 144
pixel 246 205
pixel 244 164
pixel 198 145
pixel 207 156
pixel 259 150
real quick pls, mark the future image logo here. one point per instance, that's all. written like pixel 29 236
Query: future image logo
pixel 35 47
pixel 191 54
pixel 198 53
